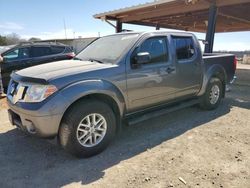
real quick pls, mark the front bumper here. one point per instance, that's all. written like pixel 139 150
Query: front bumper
pixel 43 126
pixel 39 119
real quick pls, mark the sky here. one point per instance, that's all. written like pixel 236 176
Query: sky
pixel 45 19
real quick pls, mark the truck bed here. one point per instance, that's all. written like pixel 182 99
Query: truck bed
pixel 227 61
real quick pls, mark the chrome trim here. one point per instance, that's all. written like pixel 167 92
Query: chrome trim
pixel 16 92
pixel 91 130
pixel 214 94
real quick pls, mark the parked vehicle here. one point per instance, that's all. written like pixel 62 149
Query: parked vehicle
pixel 30 54
pixel 122 77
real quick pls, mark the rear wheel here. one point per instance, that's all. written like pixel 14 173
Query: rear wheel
pixel 87 128
pixel 212 97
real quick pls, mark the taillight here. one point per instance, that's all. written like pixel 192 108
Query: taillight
pixel 235 63
pixel 70 55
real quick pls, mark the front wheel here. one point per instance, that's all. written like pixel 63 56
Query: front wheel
pixel 212 97
pixel 87 128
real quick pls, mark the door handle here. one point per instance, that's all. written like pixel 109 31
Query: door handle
pixel 170 70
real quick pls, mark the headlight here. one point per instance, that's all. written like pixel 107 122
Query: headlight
pixel 37 93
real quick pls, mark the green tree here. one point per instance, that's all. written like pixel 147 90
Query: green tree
pixel 3 41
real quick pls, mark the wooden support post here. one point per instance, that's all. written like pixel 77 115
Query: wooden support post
pixel 157 27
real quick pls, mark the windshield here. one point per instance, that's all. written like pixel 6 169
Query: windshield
pixel 5 48
pixel 107 49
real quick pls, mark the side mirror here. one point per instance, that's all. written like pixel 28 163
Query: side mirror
pixel 142 58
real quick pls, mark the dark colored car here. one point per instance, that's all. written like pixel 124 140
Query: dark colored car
pixel 123 77
pixel 30 54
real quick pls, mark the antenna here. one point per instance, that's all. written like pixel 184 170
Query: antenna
pixel 65 30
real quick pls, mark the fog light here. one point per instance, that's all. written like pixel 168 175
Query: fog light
pixel 30 127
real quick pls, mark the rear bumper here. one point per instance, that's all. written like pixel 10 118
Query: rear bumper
pixel 233 80
pixel 228 87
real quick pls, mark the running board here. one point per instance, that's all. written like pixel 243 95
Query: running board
pixel 156 113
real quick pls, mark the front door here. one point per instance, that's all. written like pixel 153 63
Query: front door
pixel 152 83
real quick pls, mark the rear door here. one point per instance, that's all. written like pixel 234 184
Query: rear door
pixel 15 59
pixel 152 83
pixel 40 55
pixel 58 52
pixel 188 65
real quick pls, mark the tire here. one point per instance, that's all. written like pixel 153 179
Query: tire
pixel 212 97
pixel 83 112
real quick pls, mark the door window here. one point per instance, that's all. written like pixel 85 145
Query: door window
pixel 17 54
pixel 69 49
pixel 184 47
pixel 157 48
pixel 40 51
pixel 57 49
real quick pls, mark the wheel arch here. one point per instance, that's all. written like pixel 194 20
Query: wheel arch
pixel 97 90
pixel 215 71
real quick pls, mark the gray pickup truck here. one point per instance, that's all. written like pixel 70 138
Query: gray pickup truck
pixel 125 77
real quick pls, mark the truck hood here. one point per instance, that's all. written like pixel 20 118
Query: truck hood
pixel 61 69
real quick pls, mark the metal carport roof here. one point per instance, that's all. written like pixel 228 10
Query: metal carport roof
pixel 189 15
pixel 208 16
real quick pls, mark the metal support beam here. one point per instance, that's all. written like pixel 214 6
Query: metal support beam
pixel 110 23
pixel 157 27
pixel 118 26
pixel 211 28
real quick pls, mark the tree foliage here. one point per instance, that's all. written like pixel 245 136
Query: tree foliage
pixel 33 39
pixel 10 39
pixel 14 38
pixel 3 41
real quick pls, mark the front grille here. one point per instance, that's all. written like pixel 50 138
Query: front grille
pixel 16 91
pixel 12 88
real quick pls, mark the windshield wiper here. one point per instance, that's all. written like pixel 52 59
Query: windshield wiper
pixel 96 60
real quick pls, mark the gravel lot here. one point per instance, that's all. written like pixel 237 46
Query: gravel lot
pixel 199 148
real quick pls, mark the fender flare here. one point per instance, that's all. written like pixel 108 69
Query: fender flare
pixel 214 71
pixel 78 90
